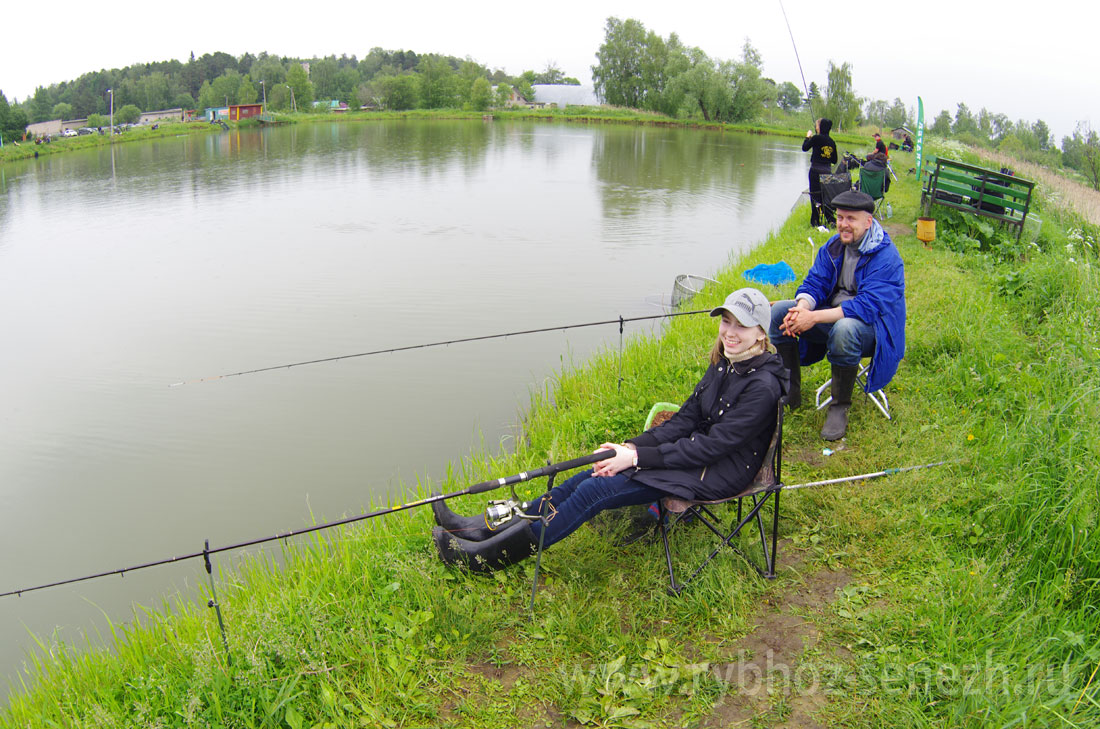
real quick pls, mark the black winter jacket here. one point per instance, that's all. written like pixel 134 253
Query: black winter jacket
pixel 713 447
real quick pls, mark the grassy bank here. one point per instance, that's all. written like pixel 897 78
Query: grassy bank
pixel 959 596
pixel 26 150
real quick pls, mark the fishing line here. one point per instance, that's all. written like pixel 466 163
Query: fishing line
pixel 391 350
pixel 809 99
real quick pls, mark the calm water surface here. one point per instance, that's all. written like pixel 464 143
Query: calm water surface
pixel 125 270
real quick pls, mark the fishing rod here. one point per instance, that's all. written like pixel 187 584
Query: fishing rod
pixel 620 321
pixel 866 476
pixel 503 511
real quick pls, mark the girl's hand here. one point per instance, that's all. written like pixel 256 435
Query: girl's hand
pixel 622 460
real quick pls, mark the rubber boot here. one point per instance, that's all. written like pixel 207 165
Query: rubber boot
pixel 470 528
pixel 512 545
pixel 836 417
pixel 789 352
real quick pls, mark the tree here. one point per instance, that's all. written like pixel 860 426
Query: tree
pixel 40 105
pixel 397 92
pixel 468 72
pixel 617 74
pixel 298 81
pixel 789 97
pixel 964 120
pixel 749 91
pixel 347 81
pixel 897 115
pixel 942 124
pixel 700 86
pixel 504 94
pixel 62 110
pixel 128 114
pixel 154 91
pixel 481 94
pixel 268 69
pixel 1082 153
pixel 323 75
pixel 552 74
pixel 278 97
pixel 183 100
pixel 437 82
pixel 246 91
pixel 841 103
pixel 98 120
pixel 1042 134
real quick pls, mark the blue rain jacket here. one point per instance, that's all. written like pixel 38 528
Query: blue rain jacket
pixel 880 301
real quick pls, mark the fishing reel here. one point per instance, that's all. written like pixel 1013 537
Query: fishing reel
pixel 502 511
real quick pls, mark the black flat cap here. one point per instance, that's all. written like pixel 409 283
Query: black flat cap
pixel 854 200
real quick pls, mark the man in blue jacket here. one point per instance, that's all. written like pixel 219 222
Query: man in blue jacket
pixel 850 305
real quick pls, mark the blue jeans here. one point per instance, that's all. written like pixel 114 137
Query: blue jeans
pixel 583 496
pixel 846 341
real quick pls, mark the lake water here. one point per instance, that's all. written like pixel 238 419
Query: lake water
pixel 125 270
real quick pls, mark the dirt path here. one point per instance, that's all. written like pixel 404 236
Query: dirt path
pixel 762 668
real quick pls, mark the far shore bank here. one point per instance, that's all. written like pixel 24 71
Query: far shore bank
pixel 13 151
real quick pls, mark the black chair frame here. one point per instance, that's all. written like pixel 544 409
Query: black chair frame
pixel 765 487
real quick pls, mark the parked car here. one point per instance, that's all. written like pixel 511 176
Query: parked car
pixel 85 130
pixel 69 133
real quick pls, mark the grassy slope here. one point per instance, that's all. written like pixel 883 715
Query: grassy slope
pixel 965 595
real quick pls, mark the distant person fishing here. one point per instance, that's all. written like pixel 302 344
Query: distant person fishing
pixel 823 156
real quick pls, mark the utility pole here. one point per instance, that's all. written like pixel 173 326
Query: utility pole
pixel 293 106
pixel 111 94
pixel 263 86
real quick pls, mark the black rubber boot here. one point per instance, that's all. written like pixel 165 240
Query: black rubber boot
pixel 836 418
pixel 514 544
pixel 789 352
pixel 470 528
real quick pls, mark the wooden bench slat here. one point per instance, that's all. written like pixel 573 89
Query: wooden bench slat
pixel 971 194
pixel 990 186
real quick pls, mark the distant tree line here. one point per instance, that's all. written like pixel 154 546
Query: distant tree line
pixel 391 79
pixel 1032 141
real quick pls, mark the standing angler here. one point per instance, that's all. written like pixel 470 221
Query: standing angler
pixel 823 156
pixel 850 305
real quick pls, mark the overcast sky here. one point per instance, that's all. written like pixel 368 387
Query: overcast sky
pixel 1029 61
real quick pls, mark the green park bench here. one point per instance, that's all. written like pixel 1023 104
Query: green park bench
pixel 973 189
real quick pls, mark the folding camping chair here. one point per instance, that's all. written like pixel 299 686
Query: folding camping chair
pixel 831 186
pixel 878 397
pixel 873 182
pixel 764 488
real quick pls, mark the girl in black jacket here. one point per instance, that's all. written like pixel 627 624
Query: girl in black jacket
pixel 711 449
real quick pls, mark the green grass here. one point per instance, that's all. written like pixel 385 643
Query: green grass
pixel 972 589
pixel 25 150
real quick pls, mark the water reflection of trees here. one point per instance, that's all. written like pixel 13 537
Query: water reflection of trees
pixel 634 163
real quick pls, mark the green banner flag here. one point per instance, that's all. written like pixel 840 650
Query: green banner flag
pixel 920 135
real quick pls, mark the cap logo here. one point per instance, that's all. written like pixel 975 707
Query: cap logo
pixel 745 303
